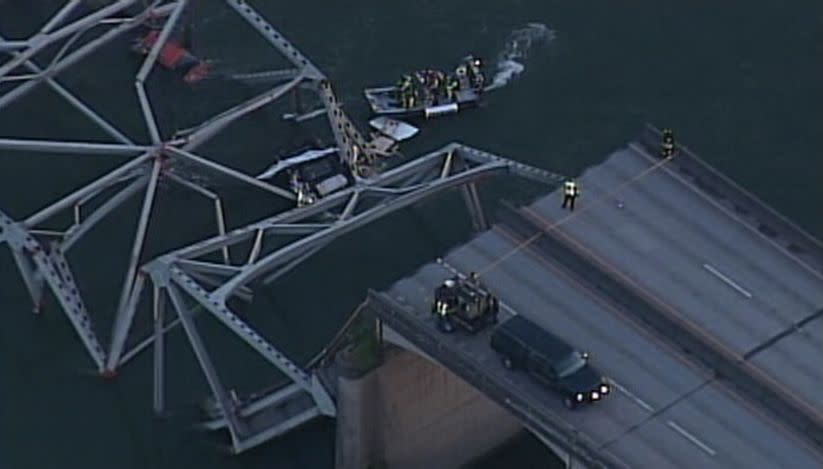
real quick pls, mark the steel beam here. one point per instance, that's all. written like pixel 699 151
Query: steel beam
pixel 261 345
pixel 144 344
pixel 85 50
pixel 127 303
pixel 40 41
pixel 123 321
pixel 232 173
pixel 31 277
pixel 538 175
pixel 207 280
pixel 159 307
pixel 73 234
pixel 10 46
pixel 344 226
pixel 225 404
pixel 208 129
pixel 218 208
pixel 324 205
pixel 474 207
pixel 80 148
pixel 145 105
pixel 276 39
pixel 76 102
pixel 209 267
pixel 78 195
pixel 60 15
pixel 294 263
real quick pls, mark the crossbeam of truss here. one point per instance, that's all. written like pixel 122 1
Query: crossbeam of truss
pixel 279 243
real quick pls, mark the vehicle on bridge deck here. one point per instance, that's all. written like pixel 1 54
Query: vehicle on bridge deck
pixel 431 93
pixel 464 302
pixel 523 344
pixel 312 174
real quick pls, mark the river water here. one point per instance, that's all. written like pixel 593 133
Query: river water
pixel 739 82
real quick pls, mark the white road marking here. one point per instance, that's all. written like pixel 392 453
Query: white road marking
pixel 691 438
pixel 728 281
pixel 633 397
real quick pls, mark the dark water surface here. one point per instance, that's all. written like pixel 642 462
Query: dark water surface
pixel 738 81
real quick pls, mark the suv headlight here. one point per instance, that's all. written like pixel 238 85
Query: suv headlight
pixel 579 396
pixel 595 395
pixel 604 389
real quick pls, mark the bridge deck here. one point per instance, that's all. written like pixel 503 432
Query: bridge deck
pixel 675 243
pixel 681 246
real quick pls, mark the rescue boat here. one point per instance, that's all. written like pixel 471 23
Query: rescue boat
pixel 173 56
pixel 386 100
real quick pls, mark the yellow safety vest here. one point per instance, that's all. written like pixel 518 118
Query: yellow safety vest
pixel 571 189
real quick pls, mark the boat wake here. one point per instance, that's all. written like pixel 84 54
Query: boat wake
pixel 509 62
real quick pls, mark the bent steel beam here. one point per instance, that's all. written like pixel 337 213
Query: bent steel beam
pixel 86 49
pixel 40 41
pixel 179 271
pixel 276 39
pixel 344 226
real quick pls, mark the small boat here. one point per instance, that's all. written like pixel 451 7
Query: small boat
pixel 389 133
pixel 393 128
pixel 386 100
pixel 173 56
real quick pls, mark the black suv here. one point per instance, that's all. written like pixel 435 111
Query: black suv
pixel 523 344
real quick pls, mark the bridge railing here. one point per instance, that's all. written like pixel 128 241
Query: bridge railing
pixel 539 420
pixel 749 208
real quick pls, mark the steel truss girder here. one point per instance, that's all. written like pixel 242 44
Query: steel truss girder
pixel 42 40
pixel 85 50
pixel 51 264
pixel 33 279
pixel 174 266
pixel 180 271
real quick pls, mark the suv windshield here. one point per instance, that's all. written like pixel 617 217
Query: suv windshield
pixel 570 364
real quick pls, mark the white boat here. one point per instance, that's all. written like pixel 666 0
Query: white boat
pixel 385 100
pixel 393 128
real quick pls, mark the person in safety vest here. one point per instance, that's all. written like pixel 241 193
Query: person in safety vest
pixel 445 304
pixel 452 86
pixel 667 147
pixel 570 193
pixel 405 88
pixel 476 74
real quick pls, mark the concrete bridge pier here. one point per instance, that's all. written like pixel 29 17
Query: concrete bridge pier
pixel 410 412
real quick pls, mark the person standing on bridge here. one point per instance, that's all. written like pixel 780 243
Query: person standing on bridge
pixel 570 193
pixel 667 147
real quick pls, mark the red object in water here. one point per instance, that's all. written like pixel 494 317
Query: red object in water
pixel 173 56
pixel 197 73
pixel 170 54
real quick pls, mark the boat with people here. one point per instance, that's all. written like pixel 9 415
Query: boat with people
pixel 430 93
pixel 173 56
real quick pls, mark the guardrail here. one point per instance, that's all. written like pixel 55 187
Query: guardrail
pixel 559 433
pixel 793 239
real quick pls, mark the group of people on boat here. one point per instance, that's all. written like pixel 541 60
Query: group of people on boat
pixel 433 87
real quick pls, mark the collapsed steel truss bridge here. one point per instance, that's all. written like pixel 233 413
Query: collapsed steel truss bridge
pixel 190 273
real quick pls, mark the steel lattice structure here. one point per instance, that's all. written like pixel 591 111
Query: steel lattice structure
pixel 40 256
